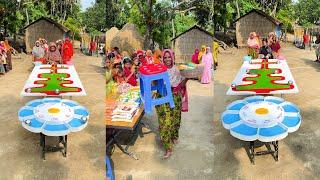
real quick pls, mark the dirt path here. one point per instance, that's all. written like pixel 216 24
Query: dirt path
pixel 20 149
pixel 298 153
pixel 193 156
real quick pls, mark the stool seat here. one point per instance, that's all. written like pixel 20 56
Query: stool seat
pixel 154 77
pixel 150 69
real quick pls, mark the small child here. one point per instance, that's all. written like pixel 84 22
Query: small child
pixel 265 50
pixel 136 63
pixel 129 72
pixel 120 78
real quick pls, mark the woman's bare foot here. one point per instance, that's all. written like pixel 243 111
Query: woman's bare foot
pixel 175 141
pixel 168 153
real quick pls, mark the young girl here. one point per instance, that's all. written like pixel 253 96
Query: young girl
pixel 119 77
pixel 129 72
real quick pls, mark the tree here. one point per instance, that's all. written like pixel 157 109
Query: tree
pixel 307 12
pixel 74 26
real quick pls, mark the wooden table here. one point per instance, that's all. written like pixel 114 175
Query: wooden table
pixel 115 128
pixel 126 125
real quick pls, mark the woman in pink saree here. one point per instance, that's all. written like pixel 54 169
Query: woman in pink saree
pixel 207 62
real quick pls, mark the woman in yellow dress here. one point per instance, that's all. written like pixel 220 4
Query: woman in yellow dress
pixel 215 46
pixel 201 53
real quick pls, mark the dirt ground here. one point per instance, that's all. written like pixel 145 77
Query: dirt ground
pixel 20 149
pixel 193 156
pixel 299 156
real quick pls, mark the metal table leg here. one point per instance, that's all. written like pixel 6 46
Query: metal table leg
pixel 43 145
pixel 114 140
pixel 251 152
pixel 273 149
pixel 65 145
pixel 45 148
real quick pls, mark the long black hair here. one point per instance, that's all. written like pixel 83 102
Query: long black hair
pixel 127 60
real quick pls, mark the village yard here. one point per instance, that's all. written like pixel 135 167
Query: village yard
pixel 20 151
pixel 298 152
pixel 193 155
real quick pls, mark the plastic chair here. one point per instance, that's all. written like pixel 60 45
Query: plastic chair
pixel 109 168
pixel 154 77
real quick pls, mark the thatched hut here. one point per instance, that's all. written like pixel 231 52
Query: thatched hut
pixel 185 43
pixel 127 39
pixel 43 28
pixel 110 34
pixel 255 21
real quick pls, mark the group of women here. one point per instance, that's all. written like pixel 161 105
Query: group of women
pixel 59 52
pixel 197 56
pixel 207 60
pixel 5 57
pixel 122 69
pixel 270 47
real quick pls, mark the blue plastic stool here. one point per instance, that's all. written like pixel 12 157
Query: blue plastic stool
pixel 159 82
pixel 109 168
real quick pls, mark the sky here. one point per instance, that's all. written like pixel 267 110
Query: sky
pixel 86 3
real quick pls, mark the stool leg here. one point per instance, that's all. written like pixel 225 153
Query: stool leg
pixel 141 87
pixel 161 88
pixel 147 96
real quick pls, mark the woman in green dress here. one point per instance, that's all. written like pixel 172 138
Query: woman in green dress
pixel 170 119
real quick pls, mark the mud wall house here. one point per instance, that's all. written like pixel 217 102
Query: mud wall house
pixel 255 21
pixel 185 43
pixel 43 28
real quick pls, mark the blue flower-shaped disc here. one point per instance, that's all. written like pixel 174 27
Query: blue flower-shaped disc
pixel 53 116
pixel 261 118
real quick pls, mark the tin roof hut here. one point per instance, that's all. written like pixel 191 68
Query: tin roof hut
pixel 43 28
pixel 185 43
pixel 255 21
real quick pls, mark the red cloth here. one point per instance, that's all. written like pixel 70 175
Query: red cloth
pixel 93 46
pixel 306 39
pixel 183 90
pixel 67 51
pixel 132 80
pixel 275 47
pixel 195 56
